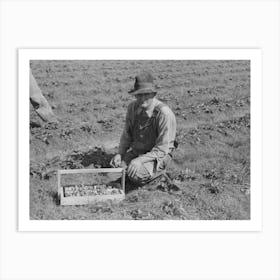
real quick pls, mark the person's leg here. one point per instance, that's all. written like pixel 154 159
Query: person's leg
pixel 159 169
pixel 146 171
pixel 164 164
pixel 143 173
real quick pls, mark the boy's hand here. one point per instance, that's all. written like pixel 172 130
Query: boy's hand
pixel 116 161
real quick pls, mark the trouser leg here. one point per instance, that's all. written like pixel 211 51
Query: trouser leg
pixel 146 171
pixel 142 174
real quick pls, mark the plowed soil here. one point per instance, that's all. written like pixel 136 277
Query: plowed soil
pixel 211 168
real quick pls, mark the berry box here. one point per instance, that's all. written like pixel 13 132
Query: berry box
pixel 88 186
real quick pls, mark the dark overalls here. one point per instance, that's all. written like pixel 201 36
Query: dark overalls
pixel 144 134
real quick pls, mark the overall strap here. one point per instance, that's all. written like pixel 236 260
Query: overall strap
pixel 156 111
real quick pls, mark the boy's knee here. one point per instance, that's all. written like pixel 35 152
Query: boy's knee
pixel 141 175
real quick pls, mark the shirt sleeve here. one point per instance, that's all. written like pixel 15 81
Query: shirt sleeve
pixel 166 123
pixel 126 137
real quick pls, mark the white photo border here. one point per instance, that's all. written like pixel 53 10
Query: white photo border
pixel 254 55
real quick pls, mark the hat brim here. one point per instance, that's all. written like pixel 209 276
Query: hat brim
pixel 142 91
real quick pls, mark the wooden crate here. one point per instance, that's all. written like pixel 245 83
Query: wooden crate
pixel 90 199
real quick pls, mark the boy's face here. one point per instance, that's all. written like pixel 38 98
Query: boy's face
pixel 144 100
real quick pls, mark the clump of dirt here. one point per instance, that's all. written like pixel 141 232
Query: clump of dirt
pixel 213 187
pixel 77 159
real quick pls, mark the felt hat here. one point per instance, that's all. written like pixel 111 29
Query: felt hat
pixel 144 83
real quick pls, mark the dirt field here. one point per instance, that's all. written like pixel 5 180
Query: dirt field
pixel 211 168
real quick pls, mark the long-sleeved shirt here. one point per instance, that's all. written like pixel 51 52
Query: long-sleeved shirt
pixel 165 127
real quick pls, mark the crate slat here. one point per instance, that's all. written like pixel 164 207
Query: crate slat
pixel 95 170
pixel 83 200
